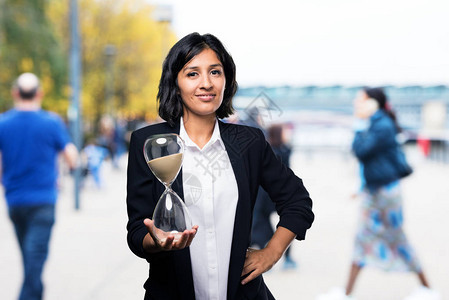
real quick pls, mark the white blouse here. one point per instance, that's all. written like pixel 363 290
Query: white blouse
pixel 211 194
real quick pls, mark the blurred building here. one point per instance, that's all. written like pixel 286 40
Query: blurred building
pixel 323 114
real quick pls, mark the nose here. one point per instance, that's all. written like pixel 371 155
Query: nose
pixel 206 83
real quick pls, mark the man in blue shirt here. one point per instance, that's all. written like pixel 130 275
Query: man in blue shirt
pixel 30 141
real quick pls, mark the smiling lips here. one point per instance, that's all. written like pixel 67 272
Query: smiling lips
pixel 206 97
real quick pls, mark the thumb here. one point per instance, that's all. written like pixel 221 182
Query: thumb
pixel 148 223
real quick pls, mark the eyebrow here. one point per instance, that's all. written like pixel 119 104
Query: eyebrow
pixel 196 67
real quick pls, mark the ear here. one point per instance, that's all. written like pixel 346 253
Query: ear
pixel 371 106
pixel 39 95
pixel 15 93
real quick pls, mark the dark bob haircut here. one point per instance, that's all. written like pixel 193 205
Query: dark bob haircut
pixel 377 94
pixel 170 102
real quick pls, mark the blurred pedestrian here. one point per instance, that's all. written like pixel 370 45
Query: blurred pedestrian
pixel 30 141
pixel 119 141
pixel 213 262
pixel 92 157
pixel 254 119
pixel 380 240
pixel 106 135
pixel 262 230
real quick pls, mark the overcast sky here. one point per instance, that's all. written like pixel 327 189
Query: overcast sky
pixel 287 42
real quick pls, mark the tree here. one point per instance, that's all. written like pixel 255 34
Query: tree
pixel 138 40
pixel 28 44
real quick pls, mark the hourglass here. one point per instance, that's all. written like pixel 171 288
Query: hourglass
pixel 164 154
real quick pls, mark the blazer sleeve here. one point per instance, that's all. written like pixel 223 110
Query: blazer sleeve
pixel 291 198
pixel 139 198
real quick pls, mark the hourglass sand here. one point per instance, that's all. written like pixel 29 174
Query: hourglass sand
pixel 164 154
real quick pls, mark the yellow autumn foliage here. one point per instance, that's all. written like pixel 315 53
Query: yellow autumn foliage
pixel 139 41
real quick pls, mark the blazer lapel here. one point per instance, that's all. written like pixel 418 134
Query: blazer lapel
pixel 235 138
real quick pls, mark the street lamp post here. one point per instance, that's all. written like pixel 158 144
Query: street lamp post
pixel 109 52
pixel 164 15
pixel 74 113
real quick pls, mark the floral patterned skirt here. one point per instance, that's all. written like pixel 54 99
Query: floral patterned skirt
pixel 380 239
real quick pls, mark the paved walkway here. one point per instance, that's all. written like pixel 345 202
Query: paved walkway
pixel 89 257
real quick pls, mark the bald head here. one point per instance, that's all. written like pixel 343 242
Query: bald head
pixel 27 86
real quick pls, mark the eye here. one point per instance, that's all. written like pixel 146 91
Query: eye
pixel 192 74
pixel 216 72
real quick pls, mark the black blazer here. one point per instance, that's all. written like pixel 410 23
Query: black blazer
pixel 254 164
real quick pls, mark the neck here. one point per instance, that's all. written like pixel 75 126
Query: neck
pixel 27 105
pixel 199 129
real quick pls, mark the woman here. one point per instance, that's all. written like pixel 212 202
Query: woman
pixel 227 163
pixel 380 240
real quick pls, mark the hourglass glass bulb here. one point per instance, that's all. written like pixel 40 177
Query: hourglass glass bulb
pixel 171 216
pixel 164 154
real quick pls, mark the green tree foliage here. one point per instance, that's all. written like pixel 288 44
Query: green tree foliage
pixel 28 44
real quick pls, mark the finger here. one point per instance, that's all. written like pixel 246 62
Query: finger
pixel 248 267
pixel 168 243
pixel 193 232
pixel 181 243
pixel 251 257
pixel 248 263
pixel 246 271
pixel 148 223
pixel 190 236
pixel 250 277
pixel 150 227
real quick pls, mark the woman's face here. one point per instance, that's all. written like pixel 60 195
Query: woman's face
pixel 361 96
pixel 364 106
pixel 201 84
